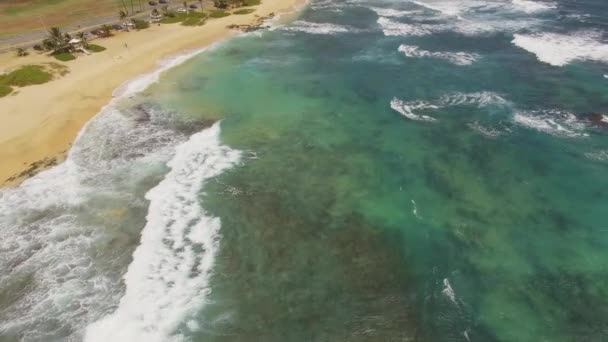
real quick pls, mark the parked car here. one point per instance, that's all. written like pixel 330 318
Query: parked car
pixel 181 10
pixel 152 3
pixel 164 2
pixel 117 27
pixel 193 6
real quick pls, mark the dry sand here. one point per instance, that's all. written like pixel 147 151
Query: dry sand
pixel 39 123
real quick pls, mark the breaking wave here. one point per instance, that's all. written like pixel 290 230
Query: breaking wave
pixel 167 281
pixel 560 49
pixel 316 28
pixel 553 122
pixel 479 99
pixel 458 58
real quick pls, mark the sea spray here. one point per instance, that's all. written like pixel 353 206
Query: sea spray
pixel 168 279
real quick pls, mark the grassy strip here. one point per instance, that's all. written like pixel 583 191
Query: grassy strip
pixel 5 90
pixel 96 48
pixel 26 75
pixel 251 2
pixel 219 14
pixel 189 19
pixel 244 11
pixel 64 56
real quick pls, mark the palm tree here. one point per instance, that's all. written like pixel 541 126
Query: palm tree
pixel 83 39
pixel 123 19
pixel 124 5
pixel 57 40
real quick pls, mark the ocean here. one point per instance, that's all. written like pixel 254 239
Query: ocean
pixel 375 170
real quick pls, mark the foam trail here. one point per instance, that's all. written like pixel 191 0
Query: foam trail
pixel 553 122
pixel 533 6
pixel 407 109
pixel 448 291
pixel 458 58
pixel 316 28
pixel 168 279
pixel 389 12
pixel 559 49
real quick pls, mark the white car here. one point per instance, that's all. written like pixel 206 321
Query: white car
pixel 182 10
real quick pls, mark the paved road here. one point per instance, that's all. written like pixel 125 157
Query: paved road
pixel 9 44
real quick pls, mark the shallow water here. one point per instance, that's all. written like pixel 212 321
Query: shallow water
pixel 386 171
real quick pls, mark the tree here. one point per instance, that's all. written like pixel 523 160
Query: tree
pixel 186 7
pixel 83 39
pixel 124 5
pixel 220 3
pixel 123 18
pixel 56 40
pixel 201 2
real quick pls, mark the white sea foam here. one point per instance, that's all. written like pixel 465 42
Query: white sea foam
pixel 479 99
pixel 57 223
pixel 394 28
pixel 448 291
pixel 488 132
pixel 458 58
pixel 407 109
pixel 316 28
pixel 415 210
pixel 559 49
pixel 601 155
pixel 389 12
pixel 529 6
pixel 167 281
pixel 554 122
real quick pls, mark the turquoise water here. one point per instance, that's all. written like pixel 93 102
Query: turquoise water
pixel 391 171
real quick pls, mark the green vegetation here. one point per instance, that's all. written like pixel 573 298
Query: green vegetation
pixel 193 21
pixel 219 14
pixel 244 11
pixel 64 56
pixel 187 19
pixel 251 2
pixel 140 24
pixel 95 48
pixel 24 76
pixel 5 90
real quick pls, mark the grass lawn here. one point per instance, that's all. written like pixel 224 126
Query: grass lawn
pixel 95 48
pixel 219 14
pixel 26 75
pixel 64 56
pixel 192 18
pixel 244 11
pixel 251 2
pixel 5 90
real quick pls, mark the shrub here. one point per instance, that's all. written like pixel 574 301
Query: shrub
pixel 244 11
pixel 38 47
pixel 140 24
pixel 64 56
pixel 219 14
pixel 95 48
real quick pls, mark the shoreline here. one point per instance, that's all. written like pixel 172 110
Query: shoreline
pixel 40 122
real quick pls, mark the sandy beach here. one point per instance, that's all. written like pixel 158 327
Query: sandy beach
pixel 39 123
